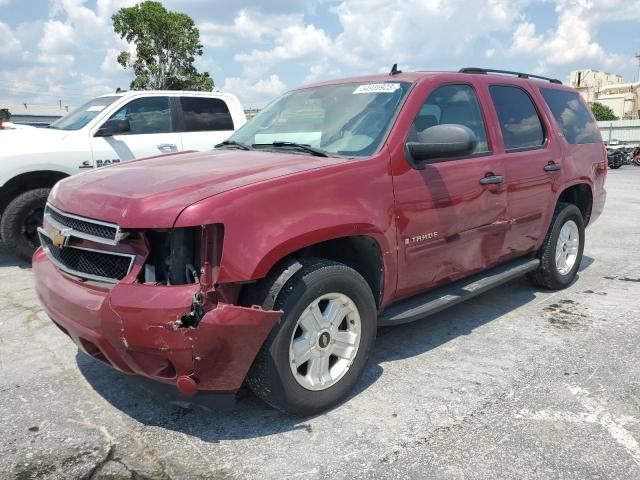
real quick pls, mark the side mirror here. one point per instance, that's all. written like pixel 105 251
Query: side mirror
pixel 439 144
pixel 113 127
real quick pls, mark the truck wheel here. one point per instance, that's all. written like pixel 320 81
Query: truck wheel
pixel 20 222
pixel 316 353
pixel 561 251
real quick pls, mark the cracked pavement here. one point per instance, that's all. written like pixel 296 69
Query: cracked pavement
pixel 517 383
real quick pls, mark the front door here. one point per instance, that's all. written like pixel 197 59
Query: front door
pixel 152 132
pixel 450 215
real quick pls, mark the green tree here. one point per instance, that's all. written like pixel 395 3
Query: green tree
pixel 602 112
pixel 167 43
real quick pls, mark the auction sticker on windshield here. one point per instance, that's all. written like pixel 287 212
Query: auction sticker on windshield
pixel 96 108
pixel 377 88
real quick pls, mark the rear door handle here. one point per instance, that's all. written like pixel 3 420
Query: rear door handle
pixel 491 180
pixel 167 147
pixel 552 167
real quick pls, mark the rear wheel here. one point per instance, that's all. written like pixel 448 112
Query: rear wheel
pixel 316 353
pixel 561 252
pixel 20 222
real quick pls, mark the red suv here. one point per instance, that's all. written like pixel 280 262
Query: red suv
pixel 342 206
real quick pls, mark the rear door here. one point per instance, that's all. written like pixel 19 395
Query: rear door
pixel 152 132
pixel 450 220
pixel 204 122
pixel 532 162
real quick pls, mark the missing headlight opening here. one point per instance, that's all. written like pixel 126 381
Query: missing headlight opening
pixel 175 256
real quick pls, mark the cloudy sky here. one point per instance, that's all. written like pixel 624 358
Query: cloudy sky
pixel 53 50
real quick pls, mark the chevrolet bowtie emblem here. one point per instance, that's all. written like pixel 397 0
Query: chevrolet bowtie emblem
pixel 59 238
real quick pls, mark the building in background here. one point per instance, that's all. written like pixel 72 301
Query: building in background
pixel 590 82
pixel 39 115
pixel 610 90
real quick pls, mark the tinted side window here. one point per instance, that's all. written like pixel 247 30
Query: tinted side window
pixel 521 127
pixel 205 114
pixel 455 104
pixel 577 124
pixel 146 115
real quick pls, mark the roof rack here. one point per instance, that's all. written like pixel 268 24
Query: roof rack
pixel 484 71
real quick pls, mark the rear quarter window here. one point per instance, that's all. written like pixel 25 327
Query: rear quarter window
pixel 205 114
pixel 577 124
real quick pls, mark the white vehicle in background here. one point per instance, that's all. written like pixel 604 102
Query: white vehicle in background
pixel 14 126
pixel 103 131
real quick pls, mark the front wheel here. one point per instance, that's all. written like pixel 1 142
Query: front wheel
pixel 317 352
pixel 20 222
pixel 561 251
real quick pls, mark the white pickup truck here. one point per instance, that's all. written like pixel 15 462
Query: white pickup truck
pixel 103 131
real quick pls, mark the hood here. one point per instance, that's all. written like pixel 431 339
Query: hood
pixel 30 140
pixel 151 192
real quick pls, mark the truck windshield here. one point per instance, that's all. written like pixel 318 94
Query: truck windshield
pixel 350 119
pixel 79 117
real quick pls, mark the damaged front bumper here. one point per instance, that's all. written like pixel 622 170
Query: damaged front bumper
pixel 137 329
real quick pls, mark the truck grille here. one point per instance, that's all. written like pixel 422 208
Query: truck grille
pixel 81 227
pixel 86 263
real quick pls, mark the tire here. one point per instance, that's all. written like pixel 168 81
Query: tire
pixel 553 274
pixel 285 385
pixel 20 220
pixel 614 167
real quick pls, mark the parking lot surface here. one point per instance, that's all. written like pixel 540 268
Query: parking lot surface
pixel 517 383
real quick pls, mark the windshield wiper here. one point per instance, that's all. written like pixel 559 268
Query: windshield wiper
pixel 233 143
pixel 300 146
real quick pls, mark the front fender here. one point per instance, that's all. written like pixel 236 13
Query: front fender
pixel 265 222
pixel 309 238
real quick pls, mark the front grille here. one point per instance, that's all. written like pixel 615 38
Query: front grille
pixel 83 227
pixel 88 264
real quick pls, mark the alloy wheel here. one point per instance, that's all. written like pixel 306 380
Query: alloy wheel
pixel 325 341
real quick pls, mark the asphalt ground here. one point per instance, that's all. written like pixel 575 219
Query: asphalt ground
pixel 517 383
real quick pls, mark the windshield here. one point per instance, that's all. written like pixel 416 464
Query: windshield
pixel 348 119
pixel 79 117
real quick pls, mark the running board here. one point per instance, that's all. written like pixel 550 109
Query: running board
pixel 440 298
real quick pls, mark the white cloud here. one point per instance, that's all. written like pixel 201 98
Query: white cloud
pixel 246 27
pixel 572 41
pixel 415 32
pixel 375 34
pixel 9 44
pixel 58 37
pixel 254 94
pixel 302 43
pixel 110 62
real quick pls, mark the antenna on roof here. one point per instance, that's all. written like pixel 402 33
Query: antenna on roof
pixel 394 70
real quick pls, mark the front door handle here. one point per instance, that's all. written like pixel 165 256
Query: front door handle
pixel 167 147
pixel 552 167
pixel 491 180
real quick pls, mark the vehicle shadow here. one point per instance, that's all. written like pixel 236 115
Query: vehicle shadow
pixel 213 418
pixel 7 259
pixel 586 263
